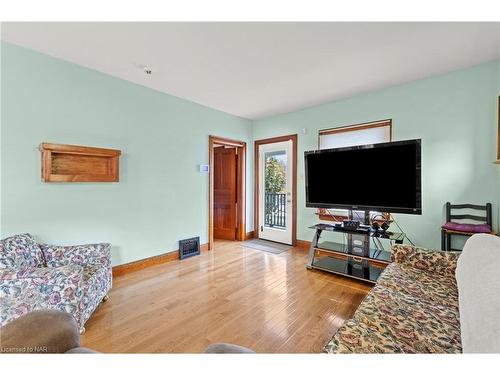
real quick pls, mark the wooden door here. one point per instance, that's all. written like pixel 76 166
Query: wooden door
pixel 225 161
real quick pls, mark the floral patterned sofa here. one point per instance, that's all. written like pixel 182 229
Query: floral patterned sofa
pixel 36 276
pixel 413 308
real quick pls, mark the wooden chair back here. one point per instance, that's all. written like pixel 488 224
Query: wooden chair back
pixel 486 211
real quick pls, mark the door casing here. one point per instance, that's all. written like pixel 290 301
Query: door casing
pixel 293 138
pixel 240 188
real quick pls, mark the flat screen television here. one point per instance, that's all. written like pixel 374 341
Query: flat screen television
pixel 377 177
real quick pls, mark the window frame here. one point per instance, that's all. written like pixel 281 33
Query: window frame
pixel 361 126
pixel 323 213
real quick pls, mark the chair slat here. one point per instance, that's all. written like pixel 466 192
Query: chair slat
pixel 470 217
pixel 471 206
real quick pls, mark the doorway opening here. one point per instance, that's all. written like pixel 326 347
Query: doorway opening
pixel 227 203
pixel 275 210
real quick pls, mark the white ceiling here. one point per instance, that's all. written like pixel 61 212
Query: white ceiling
pixel 255 70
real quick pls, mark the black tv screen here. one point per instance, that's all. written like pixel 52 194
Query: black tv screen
pixel 379 177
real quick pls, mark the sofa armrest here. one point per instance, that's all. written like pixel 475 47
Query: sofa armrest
pixel 41 331
pixel 435 261
pixel 82 255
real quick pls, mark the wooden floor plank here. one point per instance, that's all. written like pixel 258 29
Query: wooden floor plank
pixel 268 302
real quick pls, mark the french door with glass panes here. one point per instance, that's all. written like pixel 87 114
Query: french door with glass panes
pixel 275 191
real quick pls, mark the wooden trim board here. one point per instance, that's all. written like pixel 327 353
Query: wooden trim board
pixel 79 150
pixel 140 264
pixel 362 126
pixel 283 138
pixel 303 244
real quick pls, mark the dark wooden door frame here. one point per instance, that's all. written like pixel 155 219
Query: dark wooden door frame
pixel 240 189
pixel 293 138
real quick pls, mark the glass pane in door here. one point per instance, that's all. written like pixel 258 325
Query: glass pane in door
pixel 275 189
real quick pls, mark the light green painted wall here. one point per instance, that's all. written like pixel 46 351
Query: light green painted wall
pixel 454 114
pixel 161 196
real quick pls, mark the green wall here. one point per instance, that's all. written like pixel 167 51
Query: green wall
pixel 161 196
pixel 454 114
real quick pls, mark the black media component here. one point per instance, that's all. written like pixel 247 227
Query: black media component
pixel 347 177
pixel 351 224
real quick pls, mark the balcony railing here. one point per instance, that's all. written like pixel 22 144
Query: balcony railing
pixel 275 210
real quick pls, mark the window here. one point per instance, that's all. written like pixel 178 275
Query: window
pixel 356 135
pixel 353 135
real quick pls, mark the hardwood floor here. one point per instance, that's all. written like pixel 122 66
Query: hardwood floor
pixel 269 303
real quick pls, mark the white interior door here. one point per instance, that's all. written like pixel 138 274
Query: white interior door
pixel 275 192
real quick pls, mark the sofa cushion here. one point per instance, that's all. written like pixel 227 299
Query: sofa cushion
pixel 433 261
pixel 40 288
pixel 20 252
pixel 410 310
pixel 467 228
pixel 478 280
pixel 425 326
pixel 424 286
pixel 355 337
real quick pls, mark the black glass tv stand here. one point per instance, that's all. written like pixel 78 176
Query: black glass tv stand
pixel 356 257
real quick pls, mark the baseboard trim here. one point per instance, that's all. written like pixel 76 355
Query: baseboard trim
pixel 140 264
pixel 249 235
pixel 303 244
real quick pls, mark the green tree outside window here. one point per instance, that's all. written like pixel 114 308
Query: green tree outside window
pixel 275 175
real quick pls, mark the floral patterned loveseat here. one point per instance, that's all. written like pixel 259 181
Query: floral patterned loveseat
pixel 36 276
pixel 413 308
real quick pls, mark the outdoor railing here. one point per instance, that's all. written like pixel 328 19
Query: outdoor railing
pixel 275 210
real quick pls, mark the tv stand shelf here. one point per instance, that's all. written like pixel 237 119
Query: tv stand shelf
pixel 348 267
pixel 356 258
pixel 376 255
